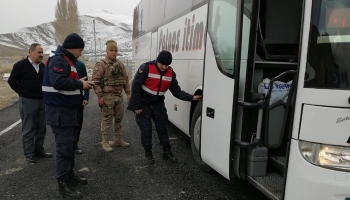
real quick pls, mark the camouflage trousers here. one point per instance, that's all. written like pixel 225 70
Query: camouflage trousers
pixel 112 109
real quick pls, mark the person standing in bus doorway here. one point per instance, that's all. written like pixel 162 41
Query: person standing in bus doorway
pixel 112 76
pixel 81 70
pixel 150 83
pixel 61 91
pixel 26 79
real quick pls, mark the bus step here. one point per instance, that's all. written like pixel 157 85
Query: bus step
pixel 270 185
pixel 278 162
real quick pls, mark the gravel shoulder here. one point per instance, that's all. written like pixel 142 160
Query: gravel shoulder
pixel 7 95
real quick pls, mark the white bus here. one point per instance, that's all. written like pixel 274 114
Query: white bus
pixel 295 148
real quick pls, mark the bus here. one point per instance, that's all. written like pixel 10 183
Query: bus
pixel 242 54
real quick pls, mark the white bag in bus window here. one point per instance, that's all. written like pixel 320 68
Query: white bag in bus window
pixel 279 91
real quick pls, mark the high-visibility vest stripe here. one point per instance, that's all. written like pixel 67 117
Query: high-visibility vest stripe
pixel 51 89
pixel 157 76
pixel 166 78
pixel 152 92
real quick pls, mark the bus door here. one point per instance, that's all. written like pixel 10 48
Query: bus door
pixel 154 45
pixel 219 85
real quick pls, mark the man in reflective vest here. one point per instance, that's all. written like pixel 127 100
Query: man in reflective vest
pixel 61 92
pixel 150 83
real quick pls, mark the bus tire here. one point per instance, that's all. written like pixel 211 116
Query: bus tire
pixel 195 134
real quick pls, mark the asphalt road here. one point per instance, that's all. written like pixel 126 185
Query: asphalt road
pixel 121 174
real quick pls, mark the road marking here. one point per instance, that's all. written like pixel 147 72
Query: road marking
pixel 10 127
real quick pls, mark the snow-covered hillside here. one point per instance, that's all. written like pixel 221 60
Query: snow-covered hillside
pixel 107 26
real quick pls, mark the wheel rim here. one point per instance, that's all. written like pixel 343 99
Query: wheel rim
pixel 197 132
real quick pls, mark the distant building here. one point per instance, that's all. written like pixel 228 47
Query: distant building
pixel 5 76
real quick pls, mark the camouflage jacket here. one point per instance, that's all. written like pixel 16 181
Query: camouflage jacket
pixel 104 71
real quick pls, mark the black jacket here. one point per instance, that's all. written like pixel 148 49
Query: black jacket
pixel 25 80
pixel 141 99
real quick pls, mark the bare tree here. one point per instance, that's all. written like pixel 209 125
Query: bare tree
pixel 67 19
pixel 136 29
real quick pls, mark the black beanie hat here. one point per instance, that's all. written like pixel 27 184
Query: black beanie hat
pixel 73 41
pixel 164 57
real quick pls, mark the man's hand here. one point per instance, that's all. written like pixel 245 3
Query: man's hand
pixel 128 97
pixel 85 102
pixel 87 85
pixel 138 112
pixel 101 101
pixel 197 97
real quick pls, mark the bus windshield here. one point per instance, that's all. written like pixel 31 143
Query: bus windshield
pixel 328 62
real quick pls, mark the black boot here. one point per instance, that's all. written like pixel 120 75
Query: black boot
pixel 75 180
pixel 65 190
pixel 149 155
pixel 168 155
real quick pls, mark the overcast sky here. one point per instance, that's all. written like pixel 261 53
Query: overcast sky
pixel 16 14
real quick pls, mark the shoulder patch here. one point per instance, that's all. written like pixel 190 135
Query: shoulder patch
pixel 140 71
pixel 57 69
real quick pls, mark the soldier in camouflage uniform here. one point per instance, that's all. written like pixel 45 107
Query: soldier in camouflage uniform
pixel 112 76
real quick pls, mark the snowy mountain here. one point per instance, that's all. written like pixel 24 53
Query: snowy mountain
pixel 107 26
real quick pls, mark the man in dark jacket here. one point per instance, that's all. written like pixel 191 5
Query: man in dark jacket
pixel 81 70
pixel 61 87
pixel 26 79
pixel 150 83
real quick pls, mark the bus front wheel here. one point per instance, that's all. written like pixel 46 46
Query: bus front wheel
pixel 195 138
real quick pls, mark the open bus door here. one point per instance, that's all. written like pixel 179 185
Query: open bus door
pixel 221 75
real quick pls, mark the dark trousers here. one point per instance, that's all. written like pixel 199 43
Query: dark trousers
pixel 32 112
pixel 145 124
pixel 80 114
pixel 65 139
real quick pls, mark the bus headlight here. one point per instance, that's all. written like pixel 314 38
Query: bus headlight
pixel 327 156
